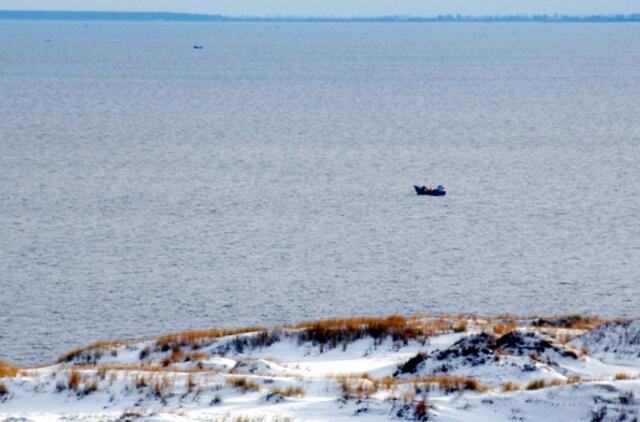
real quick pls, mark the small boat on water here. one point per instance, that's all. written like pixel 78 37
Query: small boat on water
pixel 198 47
pixel 429 191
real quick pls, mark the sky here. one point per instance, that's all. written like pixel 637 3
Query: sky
pixel 339 7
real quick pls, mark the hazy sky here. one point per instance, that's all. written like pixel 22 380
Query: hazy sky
pixel 339 7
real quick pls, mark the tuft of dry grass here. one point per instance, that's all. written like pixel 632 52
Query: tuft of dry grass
pixel 288 392
pixel 102 373
pixel 73 380
pixel 174 357
pixel 505 327
pixel 8 370
pixel 462 327
pixel 196 339
pixel 162 386
pixel 132 414
pixel 176 354
pixel 510 387
pixel 555 383
pixel 562 338
pixel 142 381
pixel 538 384
pixel 388 383
pixel 243 384
pixel 90 387
pixel 357 387
pixel 621 376
pixel 191 384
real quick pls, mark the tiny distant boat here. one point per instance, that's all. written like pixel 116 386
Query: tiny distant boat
pixel 423 190
pixel 198 47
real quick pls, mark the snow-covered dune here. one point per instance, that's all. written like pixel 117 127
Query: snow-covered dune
pixel 615 342
pixel 445 368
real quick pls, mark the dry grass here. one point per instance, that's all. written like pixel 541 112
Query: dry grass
pixel 176 354
pixel 452 384
pixel 620 376
pixel 73 380
pixel 174 357
pixel 243 384
pixel 162 386
pixel 388 383
pixel 196 339
pixel 447 383
pixel 288 392
pixel 560 335
pixel 538 384
pixel 142 381
pixel 93 352
pixel 258 340
pixel 505 327
pixel 132 414
pixel 8 370
pixel 462 327
pixel 196 356
pixel 142 367
pixel 191 384
pixel 364 386
pixel 357 387
pixel 574 322
pixel 332 332
pixel 510 387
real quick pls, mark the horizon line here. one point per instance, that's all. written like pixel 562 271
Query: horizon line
pixel 10 14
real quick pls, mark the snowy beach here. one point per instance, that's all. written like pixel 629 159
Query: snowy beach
pixel 442 368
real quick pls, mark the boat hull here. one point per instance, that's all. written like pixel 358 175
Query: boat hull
pixel 424 191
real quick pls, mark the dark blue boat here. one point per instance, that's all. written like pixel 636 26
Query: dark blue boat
pixel 423 190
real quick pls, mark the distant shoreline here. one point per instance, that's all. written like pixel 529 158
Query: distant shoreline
pixel 43 15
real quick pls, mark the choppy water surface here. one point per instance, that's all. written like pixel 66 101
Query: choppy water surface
pixel 149 187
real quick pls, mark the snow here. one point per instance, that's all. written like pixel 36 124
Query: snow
pixel 130 381
pixel 616 342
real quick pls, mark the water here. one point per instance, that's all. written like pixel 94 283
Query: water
pixel 148 187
